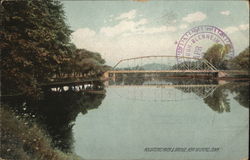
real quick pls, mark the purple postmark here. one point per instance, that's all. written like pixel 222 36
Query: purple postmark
pixel 196 40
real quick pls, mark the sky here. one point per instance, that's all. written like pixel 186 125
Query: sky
pixel 126 28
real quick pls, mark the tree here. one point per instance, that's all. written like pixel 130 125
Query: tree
pixel 35 44
pixel 241 61
pixel 87 62
pixel 216 55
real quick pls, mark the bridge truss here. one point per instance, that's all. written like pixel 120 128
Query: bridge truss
pixel 166 63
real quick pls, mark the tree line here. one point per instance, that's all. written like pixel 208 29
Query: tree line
pixel 217 56
pixel 36 47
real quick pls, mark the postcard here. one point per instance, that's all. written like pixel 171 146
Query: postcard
pixel 124 80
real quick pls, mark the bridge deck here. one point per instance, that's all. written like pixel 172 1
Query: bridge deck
pixel 165 85
pixel 163 71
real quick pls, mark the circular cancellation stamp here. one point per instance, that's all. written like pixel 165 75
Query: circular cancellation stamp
pixel 198 39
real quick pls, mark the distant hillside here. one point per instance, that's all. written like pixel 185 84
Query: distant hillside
pixel 150 66
pixel 156 66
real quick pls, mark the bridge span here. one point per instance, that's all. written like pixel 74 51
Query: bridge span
pixel 169 66
pixel 113 74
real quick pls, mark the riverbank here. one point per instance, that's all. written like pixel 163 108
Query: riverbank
pixel 24 140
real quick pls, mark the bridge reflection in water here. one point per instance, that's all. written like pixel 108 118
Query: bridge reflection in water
pixel 212 92
pixel 58 110
pixel 162 90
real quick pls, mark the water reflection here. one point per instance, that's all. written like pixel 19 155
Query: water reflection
pixel 154 80
pixel 219 100
pixel 241 94
pixel 189 112
pixel 56 112
pixel 213 92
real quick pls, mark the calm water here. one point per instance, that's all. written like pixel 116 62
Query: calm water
pixel 132 118
pixel 146 119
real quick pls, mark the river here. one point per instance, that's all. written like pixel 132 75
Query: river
pixel 133 121
pixel 148 119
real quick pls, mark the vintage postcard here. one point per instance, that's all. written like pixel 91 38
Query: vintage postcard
pixel 124 80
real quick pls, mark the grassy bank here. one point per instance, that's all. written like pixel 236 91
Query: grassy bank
pixel 23 141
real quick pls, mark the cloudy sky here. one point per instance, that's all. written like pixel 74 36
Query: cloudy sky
pixel 125 29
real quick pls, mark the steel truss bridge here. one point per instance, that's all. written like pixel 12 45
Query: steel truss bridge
pixel 184 62
pixel 166 64
pixel 135 68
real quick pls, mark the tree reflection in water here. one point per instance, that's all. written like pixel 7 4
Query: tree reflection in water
pixel 217 100
pixel 242 94
pixel 56 113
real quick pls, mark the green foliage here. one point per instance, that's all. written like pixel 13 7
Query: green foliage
pixel 65 105
pixel 216 55
pixel 89 63
pixel 22 141
pixel 35 44
pixel 36 47
pixel 241 61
